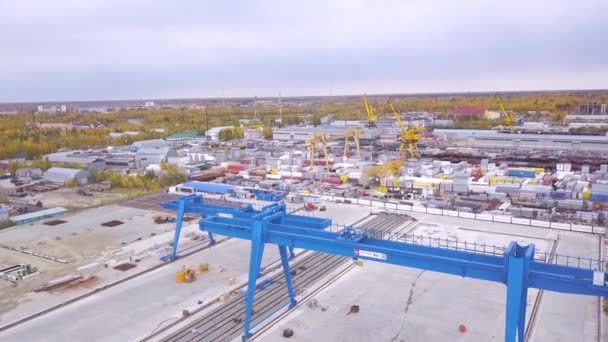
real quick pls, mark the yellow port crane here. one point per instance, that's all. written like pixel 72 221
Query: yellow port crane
pixel 380 172
pixel 371 113
pixel 508 119
pixel 409 136
pixel 315 139
pixel 354 133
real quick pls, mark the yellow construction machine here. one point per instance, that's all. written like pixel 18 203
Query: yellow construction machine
pixel 315 139
pixel 409 135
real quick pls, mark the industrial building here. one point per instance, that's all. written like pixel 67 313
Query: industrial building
pixel 38 215
pixel 60 175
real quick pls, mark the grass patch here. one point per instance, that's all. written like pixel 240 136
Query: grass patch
pixel 6 224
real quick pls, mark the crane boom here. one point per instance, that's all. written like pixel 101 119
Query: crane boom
pixel 397 115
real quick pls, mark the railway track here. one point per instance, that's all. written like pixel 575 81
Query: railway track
pixel 226 322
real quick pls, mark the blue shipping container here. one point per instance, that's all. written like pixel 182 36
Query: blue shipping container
pixel 599 197
pixel 558 194
pixel 521 173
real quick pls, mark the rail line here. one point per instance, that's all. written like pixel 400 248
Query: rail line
pixel 225 322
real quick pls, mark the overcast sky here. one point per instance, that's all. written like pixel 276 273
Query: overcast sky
pixel 123 49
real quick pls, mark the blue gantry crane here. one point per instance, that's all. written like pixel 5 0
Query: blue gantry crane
pixel 517 268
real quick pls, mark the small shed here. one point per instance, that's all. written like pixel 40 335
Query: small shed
pixel 29 173
pixel 38 215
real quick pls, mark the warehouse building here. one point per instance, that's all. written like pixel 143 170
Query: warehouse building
pixel 60 175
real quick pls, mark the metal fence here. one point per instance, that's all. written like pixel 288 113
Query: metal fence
pixel 473 247
pixel 481 217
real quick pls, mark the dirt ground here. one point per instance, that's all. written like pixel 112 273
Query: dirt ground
pixel 69 199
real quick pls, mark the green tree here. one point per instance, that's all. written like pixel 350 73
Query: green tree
pixel 267 133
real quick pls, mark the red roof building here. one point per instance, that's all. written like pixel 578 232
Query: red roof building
pixel 468 112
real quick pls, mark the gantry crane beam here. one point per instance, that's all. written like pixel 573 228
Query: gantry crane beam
pixel 508 119
pixel 409 135
pixel 315 139
pixel 371 113
pixel 516 269
pixel 354 133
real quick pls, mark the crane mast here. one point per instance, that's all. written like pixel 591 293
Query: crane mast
pixel 508 119
pixel 371 113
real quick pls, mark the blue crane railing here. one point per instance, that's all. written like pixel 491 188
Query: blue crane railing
pixel 516 268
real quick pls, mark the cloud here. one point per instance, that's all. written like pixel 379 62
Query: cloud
pixel 61 49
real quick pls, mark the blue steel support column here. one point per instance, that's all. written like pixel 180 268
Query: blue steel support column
pixel 285 262
pixel 291 253
pixel 181 208
pixel 211 239
pixel 257 250
pixel 517 259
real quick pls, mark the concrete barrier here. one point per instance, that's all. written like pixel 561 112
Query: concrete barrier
pixel 389 205
pixel 404 207
pixel 516 220
pixel 537 223
pixel 467 215
pixel 452 213
pixel 599 230
pixel 499 218
pixel 434 211
pixel 327 198
pixel 419 209
pixel 377 204
pixel 351 199
pixel 582 228
pixel 364 202
pixel 484 217
pixel 562 226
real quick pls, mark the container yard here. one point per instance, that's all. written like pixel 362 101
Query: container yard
pixel 474 202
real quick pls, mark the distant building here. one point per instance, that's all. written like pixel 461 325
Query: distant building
pixel 82 159
pixel 468 112
pixel 153 155
pixel 149 104
pixel 214 133
pixel 154 143
pixel 115 135
pixel 593 108
pixel 60 175
pixel 52 109
pixel 29 173
pixel 60 125
pixel 252 133
pixel 187 136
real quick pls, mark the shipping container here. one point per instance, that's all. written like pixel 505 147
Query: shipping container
pixel 599 197
pixel 558 194
pixel 521 173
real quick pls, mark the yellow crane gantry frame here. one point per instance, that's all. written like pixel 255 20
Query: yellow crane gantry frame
pixel 508 119
pixel 409 136
pixel 351 132
pixel 371 113
pixel 312 143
